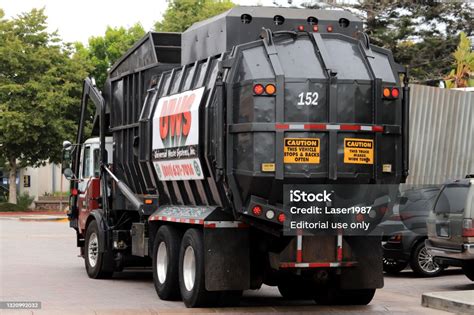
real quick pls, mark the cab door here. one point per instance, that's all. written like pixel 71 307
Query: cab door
pixel 89 184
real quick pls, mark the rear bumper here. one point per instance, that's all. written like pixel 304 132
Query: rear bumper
pixel 465 253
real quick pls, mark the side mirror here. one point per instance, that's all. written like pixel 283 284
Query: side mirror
pixel 67 145
pixel 68 173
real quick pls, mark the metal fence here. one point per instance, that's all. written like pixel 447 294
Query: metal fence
pixel 441 135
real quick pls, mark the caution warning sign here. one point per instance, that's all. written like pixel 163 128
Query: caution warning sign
pixel 301 150
pixel 358 151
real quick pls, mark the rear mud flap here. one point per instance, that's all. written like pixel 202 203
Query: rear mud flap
pixel 368 273
pixel 227 260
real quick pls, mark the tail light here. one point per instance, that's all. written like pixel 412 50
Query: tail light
pixel 74 192
pixel 300 28
pixel 258 89
pixel 396 238
pixel 330 28
pixel 257 211
pixel 270 214
pixel 315 28
pixel 281 217
pixel 270 89
pixel 467 229
pixel 359 217
pixel 391 93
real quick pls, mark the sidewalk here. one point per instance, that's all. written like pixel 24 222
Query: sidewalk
pixel 451 301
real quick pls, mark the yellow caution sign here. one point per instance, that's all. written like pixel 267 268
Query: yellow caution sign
pixel 358 151
pixel 301 150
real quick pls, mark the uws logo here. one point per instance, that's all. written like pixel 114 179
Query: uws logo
pixel 178 119
pixel 175 117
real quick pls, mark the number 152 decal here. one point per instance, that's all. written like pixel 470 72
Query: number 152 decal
pixel 308 98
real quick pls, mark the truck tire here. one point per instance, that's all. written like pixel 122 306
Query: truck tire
pixel 165 262
pixel 98 265
pixel 422 263
pixel 229 298
pixel 191 271
pixel 468 270
pixel 393 267
pixel 292 288
pixel 333 296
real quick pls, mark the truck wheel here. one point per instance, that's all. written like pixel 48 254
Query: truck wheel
pixel 333 296
pixel 229 298
pixel 98 265
pixel 191 271
pixel 393 267
pixel 292 288
pixel 468 270
pixel 423 263
pixel 165 262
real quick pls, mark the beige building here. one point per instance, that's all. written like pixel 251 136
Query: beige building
pixel 41 181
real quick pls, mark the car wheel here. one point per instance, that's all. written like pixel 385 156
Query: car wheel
pixel 423 263
pixel 191 271
pixel 165 262
pixel 393 267
pixel 468 270
pixel 98 265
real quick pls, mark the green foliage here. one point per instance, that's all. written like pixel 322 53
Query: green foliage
pixel 463 73
pixel 40 88
pixel 181 14
pixel 421 34
pixel 24 201
pixel 9 207
pixel 104 51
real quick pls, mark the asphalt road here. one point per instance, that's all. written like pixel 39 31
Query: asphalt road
pixel 39 262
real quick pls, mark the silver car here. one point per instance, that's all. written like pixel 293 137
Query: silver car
pixel 451 227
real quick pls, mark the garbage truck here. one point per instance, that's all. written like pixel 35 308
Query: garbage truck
pixel 181 158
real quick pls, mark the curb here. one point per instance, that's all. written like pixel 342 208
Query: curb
pixel 43 218
pixel 451 301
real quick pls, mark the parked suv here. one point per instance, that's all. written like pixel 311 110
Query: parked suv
pixel 450 226
pixel 405 233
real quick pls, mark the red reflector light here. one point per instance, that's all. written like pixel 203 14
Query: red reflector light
pixel 386 92
pixel 270 89
pixel 300 28
pixel 315 28
pixel 74 192
pixel 467 229
pixel 258 89
pixel 395 93
pixel 377 128
pixel 281 217
pixel 257 210
pixel 330 28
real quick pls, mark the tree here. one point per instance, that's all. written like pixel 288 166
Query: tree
pixel 40 89
pixel 181 14
pixel 460 77
pixel 104 51
pixel 421 34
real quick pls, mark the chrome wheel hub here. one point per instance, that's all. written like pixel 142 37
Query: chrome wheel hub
pixel 426 262
pixel 161 262
pixel 93 249
pixel 189 268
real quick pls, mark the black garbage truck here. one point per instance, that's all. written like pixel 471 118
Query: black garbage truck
pixel 193 141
